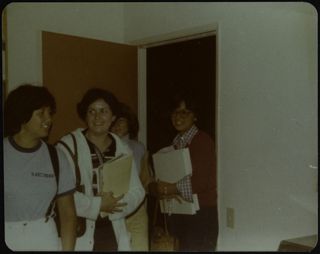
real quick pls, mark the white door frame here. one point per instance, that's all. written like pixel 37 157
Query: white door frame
pixel 142 84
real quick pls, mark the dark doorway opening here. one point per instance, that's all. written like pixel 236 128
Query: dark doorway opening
pixel 189 65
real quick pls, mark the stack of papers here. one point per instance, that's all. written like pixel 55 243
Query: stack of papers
pixel 173 206
pixel 171 166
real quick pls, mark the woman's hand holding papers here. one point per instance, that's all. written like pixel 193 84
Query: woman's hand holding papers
pixel 111 204
pixel 167 190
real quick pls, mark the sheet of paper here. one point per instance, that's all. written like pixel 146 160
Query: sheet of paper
pixel 174 207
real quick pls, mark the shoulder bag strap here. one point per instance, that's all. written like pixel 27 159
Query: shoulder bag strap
pixel 74 157
pixel 55 163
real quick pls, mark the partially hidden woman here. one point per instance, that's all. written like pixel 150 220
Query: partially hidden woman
pixel 29 178
pixel 96 145
pixel 126 127
pixel 195 232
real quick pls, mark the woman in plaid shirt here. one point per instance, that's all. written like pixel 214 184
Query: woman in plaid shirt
pixel 195 232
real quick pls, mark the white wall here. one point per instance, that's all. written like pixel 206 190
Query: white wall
pixel 26 21
pixel 267 121
pixel 267 91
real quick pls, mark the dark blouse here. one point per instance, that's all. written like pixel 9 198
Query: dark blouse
pixel 106 155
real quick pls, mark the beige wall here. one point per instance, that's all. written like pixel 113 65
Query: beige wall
pixel 267 121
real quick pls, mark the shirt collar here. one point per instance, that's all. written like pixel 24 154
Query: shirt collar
pixel 184 139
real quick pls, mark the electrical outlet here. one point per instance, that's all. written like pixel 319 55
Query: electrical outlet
pixel 230 217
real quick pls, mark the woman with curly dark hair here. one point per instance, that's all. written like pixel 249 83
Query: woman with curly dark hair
pixel 96 145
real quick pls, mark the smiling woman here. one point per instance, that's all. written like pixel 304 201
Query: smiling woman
pixel 96 145
pixel 28 105
pixel 197 232
pixel 29 179
pixel 99 118
pixel 182 118
pixel 38 126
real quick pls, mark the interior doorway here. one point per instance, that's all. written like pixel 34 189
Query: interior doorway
pixel 190 65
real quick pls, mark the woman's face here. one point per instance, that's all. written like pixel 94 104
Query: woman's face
pixel 182 119
pixel 120 127
pixel 39 124
pixel 99 117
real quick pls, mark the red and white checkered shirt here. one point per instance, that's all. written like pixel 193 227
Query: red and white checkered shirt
pixel 181 141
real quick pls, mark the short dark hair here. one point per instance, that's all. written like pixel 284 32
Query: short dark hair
pixel 189 98
pixel 91 96
pixel 20 104
pixel 133 124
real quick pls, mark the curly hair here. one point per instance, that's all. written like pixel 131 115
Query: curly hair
pixel 21 103
pixel 91 96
